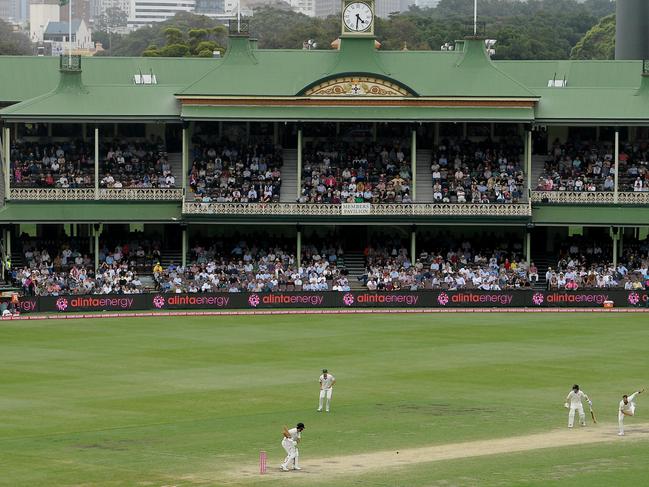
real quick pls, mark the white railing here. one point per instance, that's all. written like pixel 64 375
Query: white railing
pixel 124 194
pixel 148 194
pixel 311 209
pixel 52 194
pixel 588 197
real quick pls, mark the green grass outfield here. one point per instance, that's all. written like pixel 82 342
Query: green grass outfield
pixel 181 401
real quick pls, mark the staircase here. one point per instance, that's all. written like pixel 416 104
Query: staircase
pixel 542 262
pixel 424 177
pixel 170 256
pixel 176 161
pixel 355 266
pixel 538 167
pixel 288 192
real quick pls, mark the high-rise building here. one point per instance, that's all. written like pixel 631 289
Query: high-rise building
pixel 41 13
pixel 325 8
pixel 80 11
pixel 145 12
pixel 386 7
pixel 210 7
pixel 306 7
pixel 426 3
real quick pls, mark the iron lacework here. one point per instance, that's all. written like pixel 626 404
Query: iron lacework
pixel 70 63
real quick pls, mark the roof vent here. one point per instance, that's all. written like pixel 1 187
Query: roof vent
pixel 557 83
pixel 145 79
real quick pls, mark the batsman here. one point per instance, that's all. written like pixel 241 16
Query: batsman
pixel 574 403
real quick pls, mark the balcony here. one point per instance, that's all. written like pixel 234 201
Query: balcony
pixel 79 194
pixel 590 197
pixel 362 209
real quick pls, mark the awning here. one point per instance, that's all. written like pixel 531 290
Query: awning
pixel 360 113
pixel 90 211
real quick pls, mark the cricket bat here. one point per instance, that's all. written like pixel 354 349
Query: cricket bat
pixel 592 415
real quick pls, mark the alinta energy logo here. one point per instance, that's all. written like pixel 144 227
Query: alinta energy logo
pixel 348 299
pixel 159 301
pixel 253 300
pixel 442 299
pixel 538 299
pixel 62 304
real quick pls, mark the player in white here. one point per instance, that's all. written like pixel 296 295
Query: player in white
pixel 573 401
pixel 627 408
pixel 327 382
pixel 291 438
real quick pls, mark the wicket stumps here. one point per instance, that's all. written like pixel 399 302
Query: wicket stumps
pixel 262 462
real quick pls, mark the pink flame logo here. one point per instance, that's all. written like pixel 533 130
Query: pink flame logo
pixel 443 299
pixel 62 304
pixel 253 300
pixel 348 299
pixel 538 299
pixel 159 301
pixel 634 298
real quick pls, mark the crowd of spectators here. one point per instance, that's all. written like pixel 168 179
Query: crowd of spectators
pixel 139 253
pixel 230 172
pixel 244 266
pixel 64 165
pixel 477 172
pixel 131 164
pixel 462 266
pixel 588 264
pixel 588 167
pixel 56 254
pixel 356 173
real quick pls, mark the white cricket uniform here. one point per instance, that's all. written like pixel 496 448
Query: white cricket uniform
pixel 574 401
pixel 629 407
pixel 326 390
pixel 290 446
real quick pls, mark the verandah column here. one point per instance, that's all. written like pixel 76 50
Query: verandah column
pixel 185 157
pixel 298 247
pixel 299 162
pixel 615 237
pixel 528 158
pixel 96 163
pixel 6 156
pixel 184 244
pixel 413 168
pixel 617 166
pixel 97 228
pixel 413 244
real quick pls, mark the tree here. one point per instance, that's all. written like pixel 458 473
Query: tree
pixel 13 43
pixel 111 21
pixel 598 42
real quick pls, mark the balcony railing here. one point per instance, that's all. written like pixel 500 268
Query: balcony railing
pixel 76 194
pixel 306 209
pixel 590 197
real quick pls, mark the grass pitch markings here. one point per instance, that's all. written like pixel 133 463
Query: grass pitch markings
pixel 370 462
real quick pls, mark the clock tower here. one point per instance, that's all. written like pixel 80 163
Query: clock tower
pixel 358 18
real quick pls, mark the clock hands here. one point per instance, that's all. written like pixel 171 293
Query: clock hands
pixel 358 19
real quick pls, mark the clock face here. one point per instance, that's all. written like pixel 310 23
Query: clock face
pixel 358 17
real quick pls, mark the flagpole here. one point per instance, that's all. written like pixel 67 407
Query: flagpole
pixel 475 18
pixel 70 32
pixel 239 16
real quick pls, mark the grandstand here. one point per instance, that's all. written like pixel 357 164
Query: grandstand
pixel 319 146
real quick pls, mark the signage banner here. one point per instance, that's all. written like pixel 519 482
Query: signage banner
pixel 355 208
pixel 329 299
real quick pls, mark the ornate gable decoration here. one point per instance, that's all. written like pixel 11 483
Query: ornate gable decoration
pixel 357 86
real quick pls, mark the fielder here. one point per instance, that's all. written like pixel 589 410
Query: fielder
pixel 327 382
pixel 627 408
pixel 573 402
pixel 291 438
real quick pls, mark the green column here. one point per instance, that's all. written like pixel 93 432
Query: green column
pixel 413 246
pixel 6 146
pixel 97 230
pixel 299 162
pixel 617 165
pixel 96 163
pixel 528 247
pixel 413 168
pixel 298 256
pixel 185 241
pixel 528 160
pixel 615 238
pixel 185 159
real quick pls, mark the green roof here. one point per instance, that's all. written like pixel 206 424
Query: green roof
pixel 248 72
pixel 596 91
